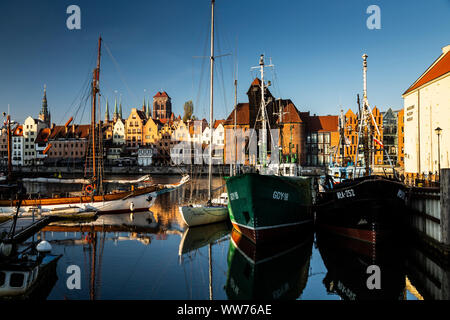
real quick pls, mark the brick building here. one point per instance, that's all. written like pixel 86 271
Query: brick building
pixel 162 106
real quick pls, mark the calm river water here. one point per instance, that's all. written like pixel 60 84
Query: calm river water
pixel 153 255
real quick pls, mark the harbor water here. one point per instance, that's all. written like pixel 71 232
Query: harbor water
pixel 153 255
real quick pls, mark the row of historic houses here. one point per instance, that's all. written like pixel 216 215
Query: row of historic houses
pixel 152 135
pixel 142 138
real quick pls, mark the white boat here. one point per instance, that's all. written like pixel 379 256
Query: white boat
pixel 85 181
pixel 196 215
pixel 31 275
pixel 199 214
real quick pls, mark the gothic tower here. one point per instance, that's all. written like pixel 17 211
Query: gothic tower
pixel 44 115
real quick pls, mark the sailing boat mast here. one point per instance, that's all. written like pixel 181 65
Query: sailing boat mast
pixel 211 102
pixel 365 118
pixel 235 120
pixel 8 127
pixel 95 91
pixel 263 148
pixel 263 114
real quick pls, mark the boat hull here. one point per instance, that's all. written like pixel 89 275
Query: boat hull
pixel 201 215
pixel 140 200
pixel 266 207
pixel 370 209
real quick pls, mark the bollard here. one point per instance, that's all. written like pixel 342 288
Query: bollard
pixel 445 206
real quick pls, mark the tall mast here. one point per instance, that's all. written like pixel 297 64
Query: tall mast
pixel 235 121
pixel 365 118
pixel 263 113
pixel 263 148
pixel 8 124
pixel 211 101
pixel 95 90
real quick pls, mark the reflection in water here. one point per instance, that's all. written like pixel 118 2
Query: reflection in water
pixel 28 276
pixel 347 261
pixel 153 255
pixel 428 275
pixel 197 237
pixel 268 271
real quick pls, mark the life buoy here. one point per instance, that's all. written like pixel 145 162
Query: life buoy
pixel 89 188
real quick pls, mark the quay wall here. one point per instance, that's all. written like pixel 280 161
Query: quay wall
pixel 222 170
pixel 430 213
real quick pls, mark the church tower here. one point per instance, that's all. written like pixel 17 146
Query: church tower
pixel 116 113
pixel 44 115
pixel 106 112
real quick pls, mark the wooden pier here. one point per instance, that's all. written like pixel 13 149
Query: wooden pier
pixel 25 228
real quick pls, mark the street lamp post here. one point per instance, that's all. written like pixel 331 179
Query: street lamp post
pixel 438 132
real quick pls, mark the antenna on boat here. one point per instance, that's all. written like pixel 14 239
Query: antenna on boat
pixel 366 115
pixel 263 150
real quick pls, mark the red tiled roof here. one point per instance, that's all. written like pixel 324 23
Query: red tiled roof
pixel 256 82
pixel 291 114
pixel 59 132
pixel 440 67
pixel 218 122
pixel 18 131
pixel 43 135
pixel 161 94
pixel 323 123
pixel 242 115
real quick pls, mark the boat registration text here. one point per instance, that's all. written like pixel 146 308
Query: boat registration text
pixel 345 194
pixel 278 195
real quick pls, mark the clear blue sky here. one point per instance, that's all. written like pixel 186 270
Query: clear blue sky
pixel 316 47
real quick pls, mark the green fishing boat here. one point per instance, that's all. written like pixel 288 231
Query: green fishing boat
pixel 268 207
pixel 273 202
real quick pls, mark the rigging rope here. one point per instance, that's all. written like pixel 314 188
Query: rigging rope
pixel 116 64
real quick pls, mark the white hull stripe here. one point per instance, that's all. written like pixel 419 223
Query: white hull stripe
pixel 273 227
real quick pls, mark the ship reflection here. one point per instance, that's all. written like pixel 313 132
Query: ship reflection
pixel 269 271
pixel 29 275
pixel 348 273
pixel 194 238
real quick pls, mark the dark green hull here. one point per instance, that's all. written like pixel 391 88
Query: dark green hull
pixel 267 207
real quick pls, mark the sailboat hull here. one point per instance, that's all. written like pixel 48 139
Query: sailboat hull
pixel 267 208
pixel 139 200
pixel 201 215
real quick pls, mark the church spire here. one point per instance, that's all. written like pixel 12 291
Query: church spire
pixel 106 112
pixel 120 108
pixel 44 115
pixel 143 106
pixel 148 112
pixel 116 113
